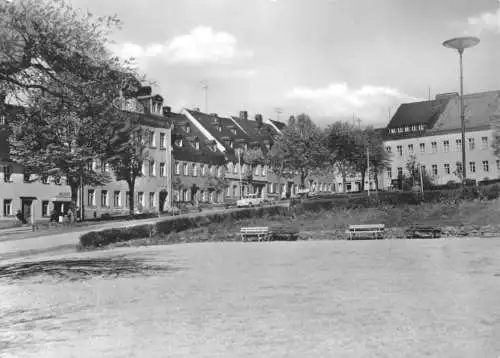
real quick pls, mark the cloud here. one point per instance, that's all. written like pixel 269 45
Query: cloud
pixel 201 45
pixel 486 21
pixel 338 100
pixel 236 73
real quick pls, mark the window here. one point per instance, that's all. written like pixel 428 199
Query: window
pixel 257 170
pixel 400 172
pixel 459 144
pixel 2 119
pixel 127 199
pixel 472 167
pixel 410 148
pixel 498 164
pixel 400 149
pixel 486 166
pixel 420 127
pixel 264 170
pixel 233 130
pixel 434 169
pixel 163 139
pixel 152 168
pixel 140 198
pixel 229 167
pixel 152 139
pixel 162 170
pixel 185 169
pixel 219 172
pixel 117 199
pixel 235 190
pixel 143 169
pixel 104 199
pixel 446 146
pixel 186 195
pixel 205 196
pixel 203 169
pixel 231 144
pixel 471 144
pixel 459 168
pixel 389 173
pixel 45 208
pixel 177 168
pixel 197 145
pixel 178 142
pixel 434 147
pixel 7 173
pixel 484 142
pixel 447 169
pixel 195 170
pixel 236 168
pixel 244 168
pixel 7 207
pixel 219 128
pixel 91 197
pixel 151 200
pixel 106 167
pixel 388 149
pixel 422 147
pixel 188 128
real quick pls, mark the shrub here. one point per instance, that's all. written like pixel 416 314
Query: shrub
pixel 490 192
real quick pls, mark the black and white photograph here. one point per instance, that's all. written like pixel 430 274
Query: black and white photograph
pixel 249 178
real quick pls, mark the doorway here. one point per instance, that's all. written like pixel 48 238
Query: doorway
pixel 163 199
pixel 26 207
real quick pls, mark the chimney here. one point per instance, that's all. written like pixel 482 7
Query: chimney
pixel 197 109
pixel 213 114
pixel 167 110
pixel 258 119
pixel 244 115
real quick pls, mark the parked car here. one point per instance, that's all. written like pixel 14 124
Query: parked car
pixel 249 201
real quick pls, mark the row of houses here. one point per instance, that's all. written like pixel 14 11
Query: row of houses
pixel 193 157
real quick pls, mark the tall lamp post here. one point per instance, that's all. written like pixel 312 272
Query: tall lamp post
pixel 460 44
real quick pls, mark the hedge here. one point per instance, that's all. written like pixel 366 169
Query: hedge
pixel 103 238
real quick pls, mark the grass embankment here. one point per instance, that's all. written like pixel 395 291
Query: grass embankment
pixel 463 218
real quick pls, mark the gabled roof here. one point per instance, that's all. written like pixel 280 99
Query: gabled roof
pixel 445 116
pixel 415 113
pixel 188 152
pixel 208 122
pixel 479 108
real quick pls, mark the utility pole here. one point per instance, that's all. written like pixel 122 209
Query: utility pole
pixel 368 164
pixel 204 86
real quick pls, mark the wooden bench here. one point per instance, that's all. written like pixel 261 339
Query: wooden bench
pixel 372 230
pixel 260 232
pixel 284 233
pixel 418 231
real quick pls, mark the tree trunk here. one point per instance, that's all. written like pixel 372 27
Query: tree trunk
pixel 363 176
pixel 74 195
pixel 131 195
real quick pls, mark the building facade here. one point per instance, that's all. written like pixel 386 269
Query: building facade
pixel 153 189
pixel 429 133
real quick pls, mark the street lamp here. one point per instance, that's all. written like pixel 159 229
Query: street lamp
pixel 460 44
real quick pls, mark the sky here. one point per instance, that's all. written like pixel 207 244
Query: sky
pixel 332 59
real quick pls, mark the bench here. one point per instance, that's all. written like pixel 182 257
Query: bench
pixel 261 233
pixel 418 231
pixel 373 230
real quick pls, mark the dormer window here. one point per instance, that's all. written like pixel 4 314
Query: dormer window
pixel 178 142
pixel 197 145
pixel 188 128
pixel 233 130
pixel 219 128
pixel 231 144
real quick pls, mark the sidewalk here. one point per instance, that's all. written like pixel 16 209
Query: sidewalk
pixel 43 242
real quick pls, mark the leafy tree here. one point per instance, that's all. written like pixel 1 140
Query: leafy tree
pixel 126 152
pixel 367 141
pixel 253 157
pixel 276 158
pixel 55 61
pixel 340 146
pixel 414 176
pixel 300 146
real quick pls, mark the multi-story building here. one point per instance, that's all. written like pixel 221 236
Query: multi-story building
pixel 198 164
pixel 153 189
pixel 229 137
pixel 429 132
pixel 20 190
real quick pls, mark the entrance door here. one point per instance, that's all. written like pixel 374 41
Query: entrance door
pixel 162 200
pixel 26 209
